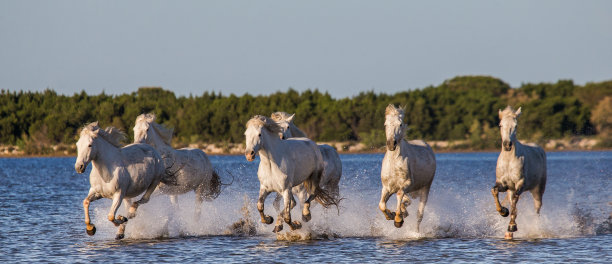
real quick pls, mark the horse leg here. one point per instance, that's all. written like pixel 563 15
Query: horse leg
pixel 382 205
pixel 200 196
pixel 503 211
pixel 513 203
pixel 174 200
pixel 260 207
pixel 89 227
pixel 422 203
pixel 538 193
pixel 513 212
pixel 119 220
pixel 405 203
pixel 537 199
pixel 305 200
pixel 279 221
pixel 276 202
pixel 288 199
pixel 399 219
pixel 144 199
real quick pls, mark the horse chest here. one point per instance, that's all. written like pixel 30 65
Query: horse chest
pixel 396 172
pixel 510 169
pixel 272 177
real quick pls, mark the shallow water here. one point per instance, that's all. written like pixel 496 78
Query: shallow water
pixel 41 217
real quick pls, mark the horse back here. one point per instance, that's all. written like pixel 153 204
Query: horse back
pixel 142 160
pixel 306 159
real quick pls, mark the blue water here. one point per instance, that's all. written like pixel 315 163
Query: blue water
pixel 41 217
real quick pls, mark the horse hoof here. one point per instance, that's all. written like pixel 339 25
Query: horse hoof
pixel 295 225
pixel 508 235
pixel 277 228
pixel 398 224
pixel 268 220
pixel 119 237
pixel 512 228
pixel 504 212
pixel 123 219
pixel 307 217
pixel 91 231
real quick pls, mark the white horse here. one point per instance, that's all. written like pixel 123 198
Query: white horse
pixel 118 173
pixel 519 168
pixel 407 168
pixel 284 164
pixel 332 170
pixel 193 169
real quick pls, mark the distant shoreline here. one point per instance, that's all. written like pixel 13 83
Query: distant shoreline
pixel 236 149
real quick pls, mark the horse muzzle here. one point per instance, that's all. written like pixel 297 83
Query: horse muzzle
pixel 391 145
pixel 250 156
pixel 507 145
pixel 80 168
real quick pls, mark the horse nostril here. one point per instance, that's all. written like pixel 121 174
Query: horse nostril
pixel 252 153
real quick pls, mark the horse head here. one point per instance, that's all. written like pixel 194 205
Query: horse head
pixel 283 120
pixel 394 126
pixel 258 129
pixel 146 130
pixel 86 146
pixel 507 126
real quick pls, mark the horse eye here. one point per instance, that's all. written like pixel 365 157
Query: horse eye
pixel 500 125
pixel 89 145
pixel 259 135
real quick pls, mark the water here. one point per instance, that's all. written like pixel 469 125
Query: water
pixel 41 217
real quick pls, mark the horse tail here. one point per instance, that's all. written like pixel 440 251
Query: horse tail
pixel 214 187
pixel 326 199
pixel 322 196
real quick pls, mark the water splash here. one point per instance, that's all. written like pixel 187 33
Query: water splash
pixel 447 215
pixel 460 205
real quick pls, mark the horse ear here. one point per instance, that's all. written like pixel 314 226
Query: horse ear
pixel 290 118
pixel 95 128
pixel 517 113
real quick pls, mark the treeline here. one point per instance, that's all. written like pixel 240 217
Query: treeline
pixel 462 108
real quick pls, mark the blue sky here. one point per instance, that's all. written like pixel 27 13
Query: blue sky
pixel 260 47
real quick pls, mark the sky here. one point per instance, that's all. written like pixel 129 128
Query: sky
pixel 260 47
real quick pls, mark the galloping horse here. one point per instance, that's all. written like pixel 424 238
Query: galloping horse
pixel 284 164
pixel 520 167
pixel 193 169
pixel 118 173
pixel 407 168
pixel 332 169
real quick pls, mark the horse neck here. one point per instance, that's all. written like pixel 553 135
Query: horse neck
pixel 515 144
pixel 269 145
pixel 295 131
pixel 107 159
pixel 159 144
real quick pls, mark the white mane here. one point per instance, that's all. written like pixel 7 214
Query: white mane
pixel 507 112
pixel 262 121
pixel 391 110
pixel 111 134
